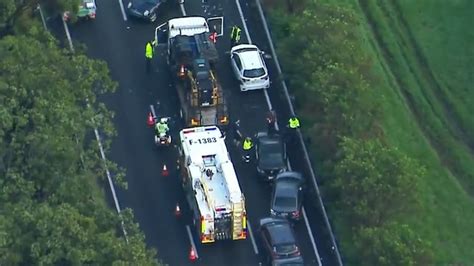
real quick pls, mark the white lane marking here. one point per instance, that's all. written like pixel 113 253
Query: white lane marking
pixel 42 17
pixel 183 11
pixel 68 35
pixel 306 157
pixel 107 172
pixel 109 178
pixel 102 153
pixel 191 239
pixel 124 14
pixel 272 49
pixel 243 21
pixel 267 98
pixel 306 221
pixel 311 236
pixel 254 244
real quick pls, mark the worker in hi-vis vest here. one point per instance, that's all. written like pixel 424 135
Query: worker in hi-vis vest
pixel 234 36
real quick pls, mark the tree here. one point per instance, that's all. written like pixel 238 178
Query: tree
pixel 331 75
pixel 47 169
pixel 371 185
pixel 391 245
pixel 56 235
pixel 11 11
pixel 375 183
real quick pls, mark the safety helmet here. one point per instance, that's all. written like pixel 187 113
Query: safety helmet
pixel 163 120
pixel 248 139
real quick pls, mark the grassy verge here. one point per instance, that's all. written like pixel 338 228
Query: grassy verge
pixel 428 128
pixel 443 32
pixel 425 68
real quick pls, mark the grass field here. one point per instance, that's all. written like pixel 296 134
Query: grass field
pixel 424 55
pixel 427 107
pixel 422 50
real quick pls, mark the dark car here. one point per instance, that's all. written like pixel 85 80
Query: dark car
pixel 271 154
pixel 287 195
pixel 144 9
pixel 279 242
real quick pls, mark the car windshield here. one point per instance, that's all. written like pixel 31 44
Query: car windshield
pixel 254 73
pixel 286 248
pixel 285 202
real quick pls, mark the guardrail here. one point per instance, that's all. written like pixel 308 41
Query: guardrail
pixel 300 137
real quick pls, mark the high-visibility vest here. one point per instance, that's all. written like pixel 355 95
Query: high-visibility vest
pixel 235 34
pixel 294 123
pixel 247 145
pixel 161 128
pixel 149 51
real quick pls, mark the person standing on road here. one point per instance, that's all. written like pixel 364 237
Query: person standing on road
pixel 235 36
pixel 237 135
pixel 247 146
pixel 271 122
pixel 293 125
pixel 149 54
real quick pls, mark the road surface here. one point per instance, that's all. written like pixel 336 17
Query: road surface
pixel 153 197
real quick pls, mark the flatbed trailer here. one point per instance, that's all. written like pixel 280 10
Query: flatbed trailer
pixel 191 59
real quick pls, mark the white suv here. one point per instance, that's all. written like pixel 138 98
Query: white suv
pixel 249 67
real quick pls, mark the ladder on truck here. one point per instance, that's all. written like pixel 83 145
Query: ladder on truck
pixel 239 222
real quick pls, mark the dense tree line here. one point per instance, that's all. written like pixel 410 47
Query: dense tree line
pixel 370 185
pixel 49 168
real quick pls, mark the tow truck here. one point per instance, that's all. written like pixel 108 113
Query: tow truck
pixel 192 58
pixel 211 186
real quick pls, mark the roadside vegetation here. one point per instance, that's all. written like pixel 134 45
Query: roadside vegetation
pixel 383 88
pixel 52 208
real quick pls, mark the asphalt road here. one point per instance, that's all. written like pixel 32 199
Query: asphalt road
pixel 152 196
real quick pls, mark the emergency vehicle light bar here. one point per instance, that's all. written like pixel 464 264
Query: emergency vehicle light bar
pixel 188 131
pixel 211 128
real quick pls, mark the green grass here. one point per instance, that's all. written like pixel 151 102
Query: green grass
pixel 444 34
pixel 417 114
pixel 423 54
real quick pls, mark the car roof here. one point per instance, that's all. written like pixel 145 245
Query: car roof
pixel 280 232
pixel 251 60
pixel 249 56
pixel 286 186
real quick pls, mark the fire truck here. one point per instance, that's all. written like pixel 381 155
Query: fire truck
pixel 210 182
pixel 192 58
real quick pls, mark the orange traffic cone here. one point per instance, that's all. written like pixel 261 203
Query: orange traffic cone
pixel 164 172
pixel 177 210
pixel 150 120
pixel 192 255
